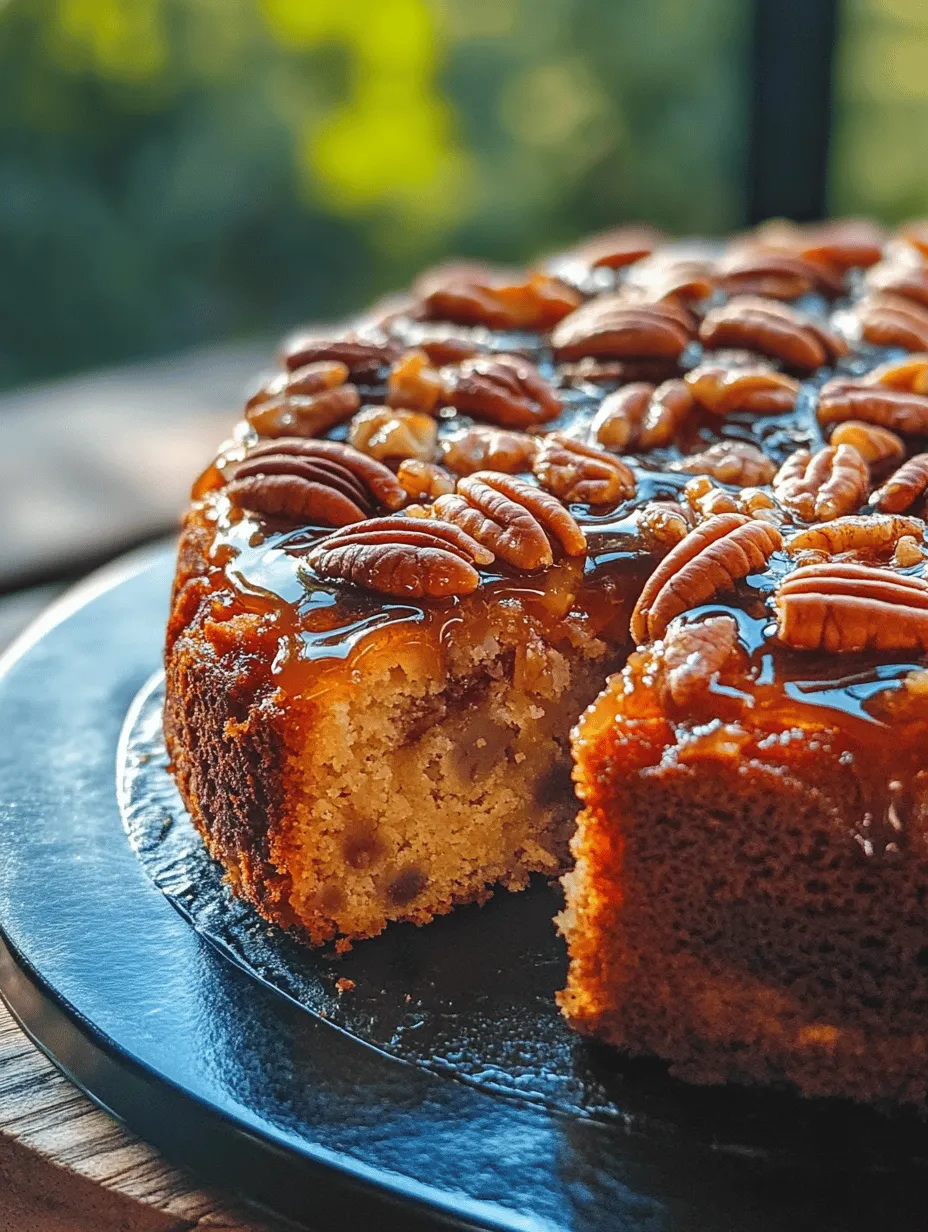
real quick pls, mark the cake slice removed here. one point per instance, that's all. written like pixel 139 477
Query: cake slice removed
pixel 352 761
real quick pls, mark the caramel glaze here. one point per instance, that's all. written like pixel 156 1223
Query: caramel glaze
pixel 321 632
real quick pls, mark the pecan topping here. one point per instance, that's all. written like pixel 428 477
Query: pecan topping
pixel 695 653
pixel 614 327
pixel 616 371
pixel 506 390
pixel 489 449
pixel 706 501
pixel 399 556
pixel 909 374
pixel 610 249
pixel 880 449
pixel 391 432
pixel 424 480
pixel 870 536
pixel 893 320
pixel 663 524
pixel 364 357
pixel 916 234
pixel 896 409
pixel 771 328
pixel 758 391
pixel 413 383
pixel 712 558
pixel 672 275
pixel 842 243
pixel 824 485
pixel 908 485
pixel 446 349
pixel 640 417
pixel 474 295
pixel 306 402
pixel 580 474
pixel 323 483
pixel 905 276
pixel 844 607
pixel 758 269
pixel 735 462
pixel 512 518
pixel 909 552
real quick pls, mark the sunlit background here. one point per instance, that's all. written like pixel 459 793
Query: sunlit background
pixel 182 170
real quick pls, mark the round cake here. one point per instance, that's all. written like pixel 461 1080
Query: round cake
pixel 667 494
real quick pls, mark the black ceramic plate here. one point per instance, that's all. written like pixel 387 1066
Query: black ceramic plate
pixel 443 1090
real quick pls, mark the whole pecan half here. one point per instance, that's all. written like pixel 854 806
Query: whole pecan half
pixel 881 449
pixel 843 607
pixel 615 327
pixel 498 299
pixel 505 389
pixel 736 462
pixel 424 480
pixel 902 489
pixel 492 449
pixel 824 485
pixel 409 558
pixel 866 535
pixel 579 474
pixel 365 357
pixel 893 320
pixel 305 402
pixel 896 409
pixel 755 390
pixel 909 374
pixel 712 558
pixel 513 519
pixel 642 417
pixel 322 483
pixel 758 269
pixel 771 328
pixel 391 432
pixel 413 383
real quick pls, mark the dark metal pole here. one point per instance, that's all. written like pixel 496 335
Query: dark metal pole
pixel 793 52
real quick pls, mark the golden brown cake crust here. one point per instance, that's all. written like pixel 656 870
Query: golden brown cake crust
pixel 223 735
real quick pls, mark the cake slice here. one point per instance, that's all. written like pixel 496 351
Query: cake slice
pixel 749 895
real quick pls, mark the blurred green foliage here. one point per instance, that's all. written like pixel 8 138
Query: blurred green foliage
pixel 880 154
pixel 178 170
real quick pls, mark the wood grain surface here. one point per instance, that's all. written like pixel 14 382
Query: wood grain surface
pixel 66 1166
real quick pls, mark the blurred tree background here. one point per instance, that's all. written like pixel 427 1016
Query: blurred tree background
pixel 173 171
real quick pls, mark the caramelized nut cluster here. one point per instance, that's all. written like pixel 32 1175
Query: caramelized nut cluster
pixel 668 395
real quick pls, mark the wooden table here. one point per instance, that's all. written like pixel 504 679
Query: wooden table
pixel 89 467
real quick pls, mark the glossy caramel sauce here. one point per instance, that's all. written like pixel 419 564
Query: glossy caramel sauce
pixel 323 631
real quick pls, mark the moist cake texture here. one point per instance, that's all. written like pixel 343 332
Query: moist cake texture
pixel 436 540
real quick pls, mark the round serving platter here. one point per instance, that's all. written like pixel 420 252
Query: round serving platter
pixel 441 1090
